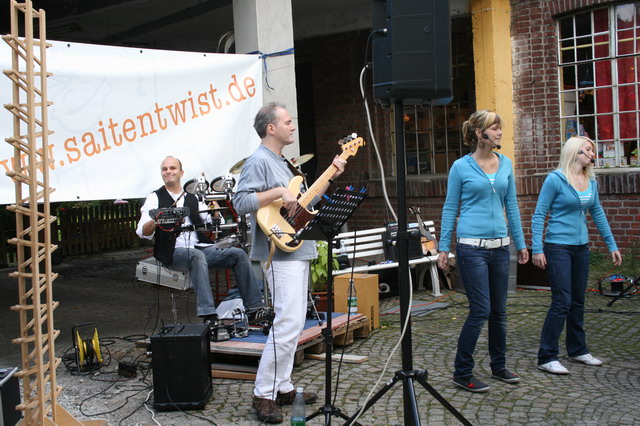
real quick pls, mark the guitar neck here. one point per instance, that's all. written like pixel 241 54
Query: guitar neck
pixel 317 188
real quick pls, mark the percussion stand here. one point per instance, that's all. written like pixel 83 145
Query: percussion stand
pixel 325 226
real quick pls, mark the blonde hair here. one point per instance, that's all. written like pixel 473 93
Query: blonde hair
pixel 569 155
pixel 482 120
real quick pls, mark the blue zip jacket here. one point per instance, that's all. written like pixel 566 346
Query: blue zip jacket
pixel 482 206
pixel 568 220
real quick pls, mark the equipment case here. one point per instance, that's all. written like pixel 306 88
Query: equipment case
pixel 151 271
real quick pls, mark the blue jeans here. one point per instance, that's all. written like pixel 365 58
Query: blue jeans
pixel 198 261
pixel 568 272
pixel 194 261
pixel 485 274
pixel 236 259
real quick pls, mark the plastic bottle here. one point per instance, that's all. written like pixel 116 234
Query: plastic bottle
pixel 352 299
pixel 298 411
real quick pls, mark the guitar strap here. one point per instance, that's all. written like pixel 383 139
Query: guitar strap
pixel 293 168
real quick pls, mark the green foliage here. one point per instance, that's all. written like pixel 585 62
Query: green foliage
pixel 319 267
pixel 601 266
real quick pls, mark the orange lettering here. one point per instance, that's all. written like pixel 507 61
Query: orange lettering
pixel 127 127
pixel 73 150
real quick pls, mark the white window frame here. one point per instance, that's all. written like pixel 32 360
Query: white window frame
pixel 575 122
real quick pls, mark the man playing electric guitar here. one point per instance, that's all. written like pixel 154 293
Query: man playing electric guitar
pixel 264 180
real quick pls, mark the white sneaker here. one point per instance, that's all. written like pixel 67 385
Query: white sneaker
pixel 553 367
pixel 587 359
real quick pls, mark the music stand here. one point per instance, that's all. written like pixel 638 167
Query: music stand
pixel 325 226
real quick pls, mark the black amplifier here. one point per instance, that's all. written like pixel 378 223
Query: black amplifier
pixel 9 397
pixel 180 358
pixel 390 240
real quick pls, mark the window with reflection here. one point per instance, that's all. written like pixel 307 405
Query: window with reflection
pixel 599 74
pixel 432 134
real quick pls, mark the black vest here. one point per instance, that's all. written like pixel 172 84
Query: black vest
pixel 165 241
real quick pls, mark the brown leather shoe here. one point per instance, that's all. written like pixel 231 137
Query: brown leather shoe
pixel 267 410
pixel 287 398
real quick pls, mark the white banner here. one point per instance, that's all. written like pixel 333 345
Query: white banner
pixel 118 112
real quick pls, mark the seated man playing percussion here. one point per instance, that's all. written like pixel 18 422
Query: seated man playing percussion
pixel 184 252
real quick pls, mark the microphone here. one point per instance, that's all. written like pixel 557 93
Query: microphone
pixel 485 136
pixel 590 159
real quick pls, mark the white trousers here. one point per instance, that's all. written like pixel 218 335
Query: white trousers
pixel 288 282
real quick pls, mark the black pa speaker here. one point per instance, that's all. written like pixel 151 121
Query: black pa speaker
pixel 180 358
pixel 412 61
pixel 390 246
pixel 9 397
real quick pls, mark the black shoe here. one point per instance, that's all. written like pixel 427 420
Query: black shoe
pixel 471 384
pixel 212 320
pixel 260 315
pixel 506 376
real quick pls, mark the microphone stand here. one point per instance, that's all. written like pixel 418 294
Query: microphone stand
pixel 407 375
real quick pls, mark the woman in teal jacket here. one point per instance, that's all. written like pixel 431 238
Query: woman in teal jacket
pixel 568 193
pixel 482 188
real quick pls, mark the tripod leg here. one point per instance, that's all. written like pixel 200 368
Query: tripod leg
pixel 174 310
pixel 373 399
pixel 422 380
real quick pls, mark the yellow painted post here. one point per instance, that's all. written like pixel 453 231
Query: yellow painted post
pixel 491 21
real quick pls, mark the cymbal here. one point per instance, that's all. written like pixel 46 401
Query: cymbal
pixel 299 161
pixel 237 168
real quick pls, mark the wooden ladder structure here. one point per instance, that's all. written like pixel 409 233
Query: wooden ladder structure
pixel 30 174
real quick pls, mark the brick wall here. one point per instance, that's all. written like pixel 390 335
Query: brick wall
pixel 336 62
pixel 537 134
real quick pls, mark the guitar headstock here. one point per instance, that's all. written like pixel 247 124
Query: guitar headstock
pixel 351 143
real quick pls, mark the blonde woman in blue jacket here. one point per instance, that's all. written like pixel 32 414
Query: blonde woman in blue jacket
pixel 568 193
pixel 481 187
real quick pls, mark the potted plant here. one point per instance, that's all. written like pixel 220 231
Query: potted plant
pixel 319 272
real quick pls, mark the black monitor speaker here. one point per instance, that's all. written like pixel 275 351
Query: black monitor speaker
pixel 9 397
pixel 412 60
pixel 181 362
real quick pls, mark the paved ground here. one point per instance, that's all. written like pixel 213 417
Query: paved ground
pixel 102 289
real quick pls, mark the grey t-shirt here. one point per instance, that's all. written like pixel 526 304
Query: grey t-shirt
pixel 262 171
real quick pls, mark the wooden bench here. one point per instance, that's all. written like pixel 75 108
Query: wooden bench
pixel 365 249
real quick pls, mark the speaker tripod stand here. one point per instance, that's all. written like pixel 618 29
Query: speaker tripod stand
pixel 325 226
pixel 407 376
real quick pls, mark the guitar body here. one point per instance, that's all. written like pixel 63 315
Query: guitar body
pixel 275 223
pixel 273 218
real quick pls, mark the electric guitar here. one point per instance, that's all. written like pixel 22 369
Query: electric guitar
pixel 274 219
pixel 429 243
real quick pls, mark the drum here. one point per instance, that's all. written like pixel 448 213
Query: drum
pixel 223 183
pixel 196 186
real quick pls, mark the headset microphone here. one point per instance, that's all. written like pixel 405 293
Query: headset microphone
pixel 590 159
pixel 485 136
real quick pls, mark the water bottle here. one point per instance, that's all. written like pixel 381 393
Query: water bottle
pixel 352 299
pixel 298 415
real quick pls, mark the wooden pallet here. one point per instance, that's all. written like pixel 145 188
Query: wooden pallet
pixel 245 354
pixel 238 358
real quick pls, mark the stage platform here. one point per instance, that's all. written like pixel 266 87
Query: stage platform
pixel 238 358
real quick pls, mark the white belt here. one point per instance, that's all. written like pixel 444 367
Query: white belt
pixel 484 243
